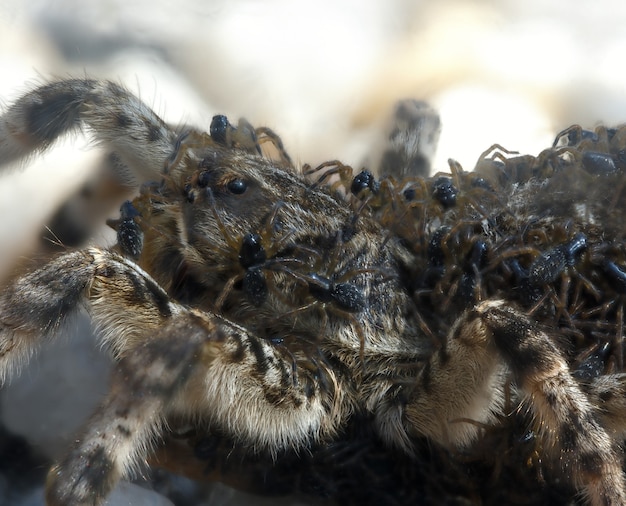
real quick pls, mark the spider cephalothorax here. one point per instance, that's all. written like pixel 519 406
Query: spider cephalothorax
pixel 283 311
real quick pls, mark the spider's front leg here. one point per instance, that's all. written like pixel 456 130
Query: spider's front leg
pixel 170 361
pixel 118 434
pixel 465 382
pixel 566 419
pixel 38 303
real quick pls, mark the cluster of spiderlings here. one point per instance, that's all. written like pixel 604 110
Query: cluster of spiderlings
pixel 256 265
pixel 440 220
pixel 545 232
pixel 268 279
pixel 542 232
pixel 597 153
pixel 299 277
pixel 574 219
pixel 601 152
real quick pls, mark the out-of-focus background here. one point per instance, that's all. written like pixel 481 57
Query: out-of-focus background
pixel 323 74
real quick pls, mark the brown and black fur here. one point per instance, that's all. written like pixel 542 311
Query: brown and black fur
pixel 426 309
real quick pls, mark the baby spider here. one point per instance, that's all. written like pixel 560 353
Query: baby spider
pixel 191 347
pixel 258 253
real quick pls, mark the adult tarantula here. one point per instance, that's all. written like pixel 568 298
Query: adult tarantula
pixel 281 309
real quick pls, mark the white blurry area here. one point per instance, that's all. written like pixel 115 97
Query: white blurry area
pixel 323 74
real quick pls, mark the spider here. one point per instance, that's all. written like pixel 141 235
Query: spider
pixel 277 381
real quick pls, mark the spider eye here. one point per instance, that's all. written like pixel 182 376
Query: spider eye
pixel 237 186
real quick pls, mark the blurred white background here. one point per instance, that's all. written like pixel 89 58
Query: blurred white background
pixel 323 74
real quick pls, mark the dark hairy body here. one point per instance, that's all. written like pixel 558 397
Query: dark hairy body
pixel 284 310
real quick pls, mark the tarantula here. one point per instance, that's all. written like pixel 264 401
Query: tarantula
pixel 426 308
